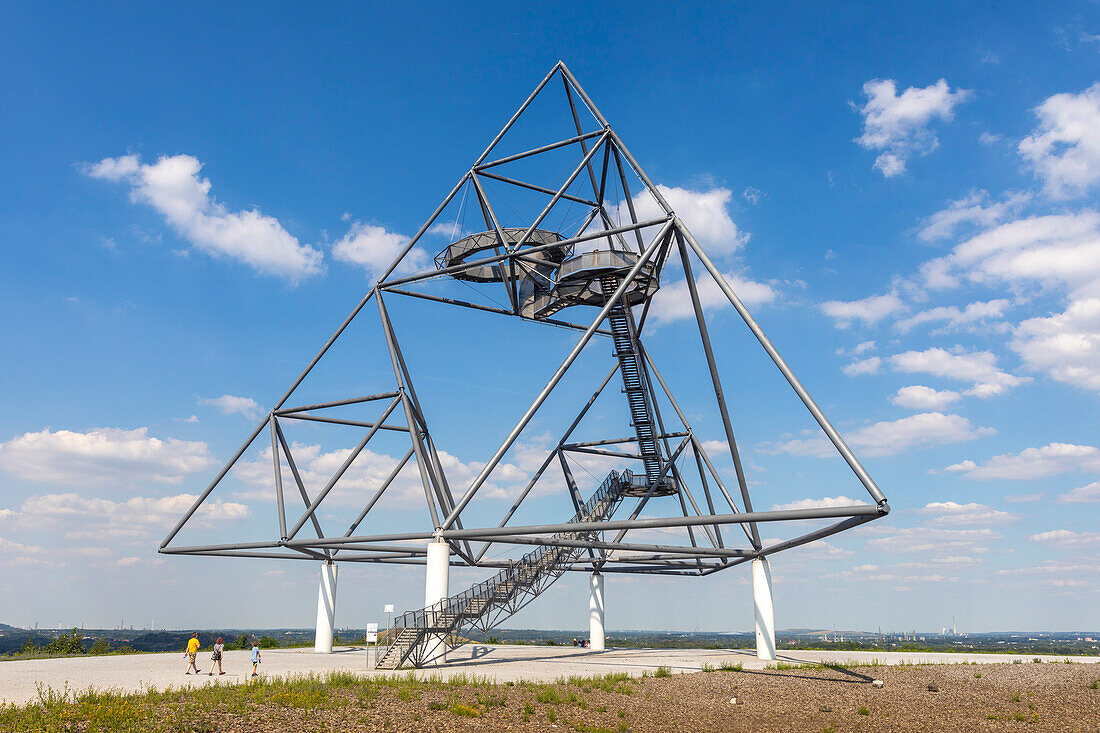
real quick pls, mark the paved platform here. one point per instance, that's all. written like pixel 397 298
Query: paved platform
pixel 20 680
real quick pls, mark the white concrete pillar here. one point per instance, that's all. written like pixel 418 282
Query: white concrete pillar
pixel 595 612
pixel 326 608
pixel 435 589
pixel 765 613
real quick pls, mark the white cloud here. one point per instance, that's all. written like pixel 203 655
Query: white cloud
pixel 1089 493
pixel 135 515
pixel 706 214
pixel 974 209
pixel 923 430
pixel 175 189
pixel 1064 150
pixel 868 311
pixel 102 456
pixel 1058 250
pixel 954 317
pixel 229 404
pixel 1032 463
pixel 125 562
pixel 863 347
pixel 1066 346
pixel 823 503
pixel 919 397
pixel 1023 498
pixel 8 547
pixel 316 466
pixel 869 365
pixel 978 367
pixel 673 301
pixel 899 125
pixel 1067 539
pixel 951 512
pixel 933 541
pixel 373 248
pixel 753 195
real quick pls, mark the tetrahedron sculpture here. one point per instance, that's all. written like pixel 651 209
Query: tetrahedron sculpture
pixel 588 255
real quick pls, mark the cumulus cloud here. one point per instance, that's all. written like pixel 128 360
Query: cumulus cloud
pixel 900 125
pixel 954 318
pixel 1064 150
pixel 706 214
pixel 1058 252
pixel 1066 346
pixel 823 503
pixel 230 404
pixel 173 186
pixel 1067 538
pixel 1089 493
pixel 102 456
pixel 136 516
pixel 370 469
pixel 934 541
pixel 978 367
pixel 869 365
pixel 951 512
pixel 973 209
pixel 867 311
pixel 919 397
pixel 923 430
pixel 1032 463
pixel 373 248
pixel 673 301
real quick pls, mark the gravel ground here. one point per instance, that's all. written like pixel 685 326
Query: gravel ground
pixel 1040 697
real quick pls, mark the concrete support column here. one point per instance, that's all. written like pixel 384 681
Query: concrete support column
pixel 595 612
pixel 435 590
pixel 326 608
pixel 762 603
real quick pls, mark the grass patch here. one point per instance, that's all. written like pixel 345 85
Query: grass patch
pixel 465 711
pixel 864 711
pixel 731 667
pixel 663 671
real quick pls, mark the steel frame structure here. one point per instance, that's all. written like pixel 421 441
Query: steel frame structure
pixel 651 243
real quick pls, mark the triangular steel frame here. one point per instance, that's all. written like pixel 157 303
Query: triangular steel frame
pixel 602 154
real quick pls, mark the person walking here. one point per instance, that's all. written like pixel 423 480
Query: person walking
pixel 219 646
pixel 192 652
pixel 255 656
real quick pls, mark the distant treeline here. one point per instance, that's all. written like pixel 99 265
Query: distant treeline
pixel 23 643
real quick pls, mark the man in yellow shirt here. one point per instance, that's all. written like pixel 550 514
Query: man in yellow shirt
pixel 192 651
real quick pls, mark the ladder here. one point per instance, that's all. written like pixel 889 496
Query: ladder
pixel 433 630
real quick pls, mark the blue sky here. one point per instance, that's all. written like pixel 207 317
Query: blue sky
pixel 191 200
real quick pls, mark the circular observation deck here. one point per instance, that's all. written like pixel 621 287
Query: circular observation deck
pixel 487 244
pixel 580 281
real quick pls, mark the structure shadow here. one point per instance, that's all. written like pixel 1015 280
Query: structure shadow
pixel 854 677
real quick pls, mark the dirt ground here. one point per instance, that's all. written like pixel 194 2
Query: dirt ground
pixel 1039 697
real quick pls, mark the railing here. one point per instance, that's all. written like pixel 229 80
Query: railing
pixel 521 577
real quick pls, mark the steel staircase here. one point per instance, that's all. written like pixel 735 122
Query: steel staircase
pixel 416 635
pixel 635 388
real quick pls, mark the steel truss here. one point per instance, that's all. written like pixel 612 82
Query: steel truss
pixel 669 459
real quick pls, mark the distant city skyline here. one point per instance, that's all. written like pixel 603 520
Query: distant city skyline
pixel 907 200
